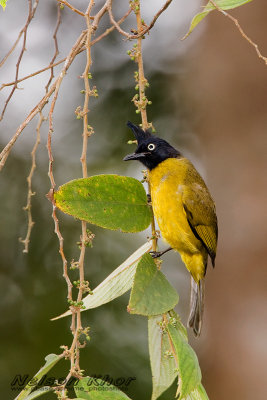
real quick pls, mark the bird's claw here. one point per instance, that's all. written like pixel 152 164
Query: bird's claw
pixel 155 254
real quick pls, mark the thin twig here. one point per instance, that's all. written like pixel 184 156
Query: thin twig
pixel 33 74
pixel 152 23
pixel 98 16
pixel 18 38
pixel 71 7
pixel 56 47
pixel 243 34
pixel 28 206
pixel 114 22
pixel 56 87
pixel 76 327
pixel 83 160
pixel 25 29
pixel 109 30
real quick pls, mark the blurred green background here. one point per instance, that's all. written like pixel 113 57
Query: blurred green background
pixel 209 100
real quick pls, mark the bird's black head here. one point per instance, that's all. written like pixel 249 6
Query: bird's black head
pixel 151 150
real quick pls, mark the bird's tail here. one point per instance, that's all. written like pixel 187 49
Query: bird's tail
pixel 196 306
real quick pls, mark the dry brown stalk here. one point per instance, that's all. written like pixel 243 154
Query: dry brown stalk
pixel 56 47
pixel 152 23
pixel 243 34
pixel 31 13
pixel 142 88
pixel 28 206
pixel 71 7
pixel 114 22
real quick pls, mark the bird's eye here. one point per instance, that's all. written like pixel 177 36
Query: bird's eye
pixel 151 146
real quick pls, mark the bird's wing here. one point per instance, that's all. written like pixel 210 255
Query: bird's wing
pixel 201 215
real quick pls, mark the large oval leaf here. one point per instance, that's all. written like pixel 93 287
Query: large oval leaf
pixel 110 201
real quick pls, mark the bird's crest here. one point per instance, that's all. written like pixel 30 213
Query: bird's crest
pixel 139 133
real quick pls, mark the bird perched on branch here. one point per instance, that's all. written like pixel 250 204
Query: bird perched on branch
pixel 184 210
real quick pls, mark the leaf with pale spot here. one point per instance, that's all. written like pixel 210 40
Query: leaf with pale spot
pixel 110 201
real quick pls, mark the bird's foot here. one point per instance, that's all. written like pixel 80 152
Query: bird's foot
pixel 157 254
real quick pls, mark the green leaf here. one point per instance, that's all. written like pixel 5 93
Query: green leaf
pixel 163 366
pixel 39 392
pixel 198 394
pixel 51 360
pixel 3 3
pixel 116 284
pixel 151 294
pixel 96 389
pixel 223 4
pixel 110 201
pixel 186 360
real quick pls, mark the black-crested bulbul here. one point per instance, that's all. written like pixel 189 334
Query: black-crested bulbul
pixel 184 210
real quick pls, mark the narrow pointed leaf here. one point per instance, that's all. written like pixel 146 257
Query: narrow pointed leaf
pixel 116 284
pixel 151 294
pixel 187 363
pixel 39 392
pixel 197 394
pixel 223 4
pixel 3 3
pixel 163 366
pixel 110 201
pixel 51 360
pixel 97 389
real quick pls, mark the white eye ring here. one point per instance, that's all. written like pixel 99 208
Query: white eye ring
pixel 151 146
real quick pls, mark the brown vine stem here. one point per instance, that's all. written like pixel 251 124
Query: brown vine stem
pixel 86 133
pixel 33 74
pixel 56 88
pixel 243 34
pixel 76 327
pixel 114 22
pixel 56 48
pixel 152 23
pixel 71 7
pixel 28 206
pixel 31 13
pixel 142 82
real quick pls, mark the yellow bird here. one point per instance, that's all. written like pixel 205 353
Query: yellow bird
pixel 184 209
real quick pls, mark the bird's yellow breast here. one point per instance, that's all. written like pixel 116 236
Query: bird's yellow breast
pixel 168 183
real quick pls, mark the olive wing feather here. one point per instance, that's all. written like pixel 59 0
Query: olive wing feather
pixel 201 215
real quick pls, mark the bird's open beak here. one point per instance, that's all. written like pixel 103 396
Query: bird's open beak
pixel 134 156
